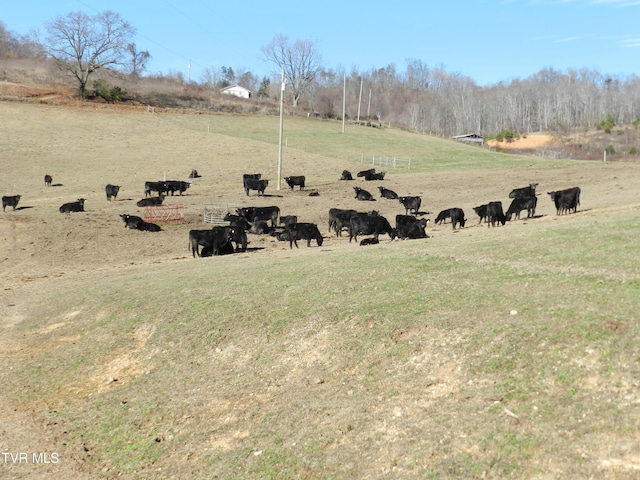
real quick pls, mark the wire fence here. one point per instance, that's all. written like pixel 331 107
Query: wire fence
pixel 384 161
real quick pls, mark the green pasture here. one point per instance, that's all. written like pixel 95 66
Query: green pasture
pixel 327 138
pixel 462 356
pixel 341 367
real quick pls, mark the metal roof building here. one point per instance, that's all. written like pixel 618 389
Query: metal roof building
pixel 469 138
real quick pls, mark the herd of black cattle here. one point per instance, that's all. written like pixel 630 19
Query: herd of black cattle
pixel 232 236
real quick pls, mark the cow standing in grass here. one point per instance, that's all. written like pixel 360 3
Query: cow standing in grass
pixel 566 200
pixel 10 201
pixel 294 181
pixel 411 204
pixel 111 191
pixel 303 231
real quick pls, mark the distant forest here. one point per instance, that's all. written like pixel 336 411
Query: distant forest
pixel 423 98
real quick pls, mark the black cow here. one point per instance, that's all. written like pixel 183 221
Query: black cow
pixel 148 227
pixel 260 227
pixel 374 176
pixel 226 249
pixel 413 230
pixel 303 231
pixel 111 191
pixel 10 201
pixel 481 211
pixel 295 181
pixel 339 219
pixel 369 241
pixel 369 225
pixel 457 217
pixel 386 193
pixel 522 203
pixel 363 195
pixel 77 206
pixel 443 216
pixel 251 214
pixel 160 187
pixel 47 180
pixel 131 221
pixel 566 200
pixel 222 240
pixel 402 220
pixel 529 191
pixel 495 214
pixel 194 174
pixel 364 173
pixel 411 204
pixel 237 221
pixel 239 231
pixel 239 234
pixel 149 202
pixel 136 223
pixel 346 175
pixel 179 186
pixel 255 184
pixel 215 239
pixel 239 237
pixel 455 214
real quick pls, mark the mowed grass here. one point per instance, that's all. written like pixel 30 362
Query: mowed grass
pixel 482 355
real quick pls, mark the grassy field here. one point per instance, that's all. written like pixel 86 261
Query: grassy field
pixel 508 352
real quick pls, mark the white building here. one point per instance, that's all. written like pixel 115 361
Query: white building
pixel 237 90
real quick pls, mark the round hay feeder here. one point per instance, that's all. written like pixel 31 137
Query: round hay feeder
pixel 215 213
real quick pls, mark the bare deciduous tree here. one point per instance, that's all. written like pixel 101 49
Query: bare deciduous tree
pixel 80 44
pixel 211 77
pixel 137 60
pixel 299 60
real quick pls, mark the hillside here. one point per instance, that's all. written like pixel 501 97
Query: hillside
pixel 506 352
pixel 34 81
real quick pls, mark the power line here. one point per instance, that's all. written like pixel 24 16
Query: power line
pixel 204 29
pixel 161 45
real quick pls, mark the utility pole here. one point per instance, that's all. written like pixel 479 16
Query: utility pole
pixel 189 73
pixel 344 100
pixel 282 85
pixel 359 99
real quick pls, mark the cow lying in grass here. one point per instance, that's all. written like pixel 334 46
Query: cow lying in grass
pixel 77 206
pixel 134 222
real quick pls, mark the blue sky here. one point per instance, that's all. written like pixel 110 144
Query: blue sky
pixel 488 41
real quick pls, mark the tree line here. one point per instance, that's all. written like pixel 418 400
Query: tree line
pixel 421 97
pixel 432 100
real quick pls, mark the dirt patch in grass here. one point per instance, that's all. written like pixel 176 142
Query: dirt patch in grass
pixel 523 143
